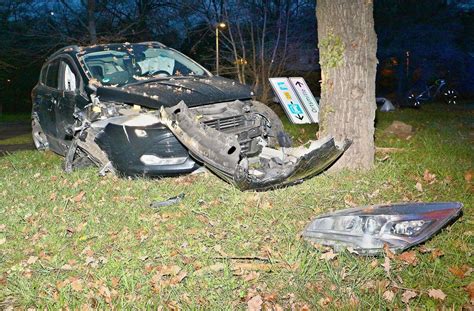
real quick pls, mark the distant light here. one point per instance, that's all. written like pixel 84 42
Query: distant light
pixel 52 13
pixel 222 25
pixel 8 80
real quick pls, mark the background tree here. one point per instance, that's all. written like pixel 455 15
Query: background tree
pixel 347 49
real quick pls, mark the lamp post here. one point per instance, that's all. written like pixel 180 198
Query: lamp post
pixel 221 26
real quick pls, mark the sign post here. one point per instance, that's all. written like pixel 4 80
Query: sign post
pixel 289 100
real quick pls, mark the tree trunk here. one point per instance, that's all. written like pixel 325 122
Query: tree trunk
pixel 91 21
pixel 347 49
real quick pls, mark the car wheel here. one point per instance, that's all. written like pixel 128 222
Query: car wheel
pixel 275 123
pixel 39 137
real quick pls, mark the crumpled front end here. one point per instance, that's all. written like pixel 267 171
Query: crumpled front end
pixel 271 168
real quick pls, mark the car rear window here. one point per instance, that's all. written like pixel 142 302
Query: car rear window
pixel 52 75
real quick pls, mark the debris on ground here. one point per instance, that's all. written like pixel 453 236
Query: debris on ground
pixel 400 129
pixel 170 201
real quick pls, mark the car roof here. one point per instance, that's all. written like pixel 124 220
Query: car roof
pixel 75 49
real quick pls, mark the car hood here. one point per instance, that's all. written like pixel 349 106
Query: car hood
pixel 194 91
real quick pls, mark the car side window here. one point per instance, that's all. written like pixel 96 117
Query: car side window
pixel 43 74
pixel 67 77
pixel 52 75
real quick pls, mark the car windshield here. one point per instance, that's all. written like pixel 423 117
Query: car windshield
pixel 133 63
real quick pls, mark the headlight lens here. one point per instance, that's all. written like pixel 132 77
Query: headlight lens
pixel 367 229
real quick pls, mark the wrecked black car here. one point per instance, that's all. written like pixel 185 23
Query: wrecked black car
pixel 147 110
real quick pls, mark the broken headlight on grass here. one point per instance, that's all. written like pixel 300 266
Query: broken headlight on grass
pixel 367 229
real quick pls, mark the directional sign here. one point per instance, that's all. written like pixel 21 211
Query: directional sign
pixel 289 100
pixel 306 98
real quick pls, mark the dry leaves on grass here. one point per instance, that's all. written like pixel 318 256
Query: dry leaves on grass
pixel 468 176
pixel 429 177
pixel 419 187
pixel 437 294
pixel 461 272
pixel 435 252
pixel 386 266
pixel 328 255
pixel 209 269
pixel 77 285
pixel 255 303
pixel 78 198
pixel 409 258
pixel 167 276
pixel 470 291
pixel 408 295
pixel 388 295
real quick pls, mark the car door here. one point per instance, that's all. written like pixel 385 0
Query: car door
pixel 69 87
pixel 45 101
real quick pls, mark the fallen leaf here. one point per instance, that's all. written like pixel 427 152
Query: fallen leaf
pixel 32 260
pixel 437 253
pixel 115 281
pixel 66 267
pixel 468 176
pixel 3 241
pixel 53 196
pixel 178 278
pixel 470 291
pixel 409 258
pixel 76 285
pixel 272 297
pixel 388 252
pixel 408 295
pixel 374 263
pixel 255 303
pixel 251 276
pixel 386 266
pixel 461 272
pixel 324 301
pixel 78 198
pixel 105 292
pixel 419 187
pixel 328 255
pixel 437 294
pixel 388 295
pixel 169 270
pixel 213 268
pixel 428 177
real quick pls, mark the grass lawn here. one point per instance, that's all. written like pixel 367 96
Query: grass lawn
pixel 78 240
pixel 17 140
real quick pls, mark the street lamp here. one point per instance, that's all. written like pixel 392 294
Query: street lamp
pixel 221 26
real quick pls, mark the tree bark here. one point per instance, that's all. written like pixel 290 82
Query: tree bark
pixel 91 21
pixel 347 47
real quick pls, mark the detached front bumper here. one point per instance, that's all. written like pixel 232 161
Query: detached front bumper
pixel 272 168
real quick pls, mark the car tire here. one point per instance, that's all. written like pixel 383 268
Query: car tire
pixel 272 118
pixel 39 137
